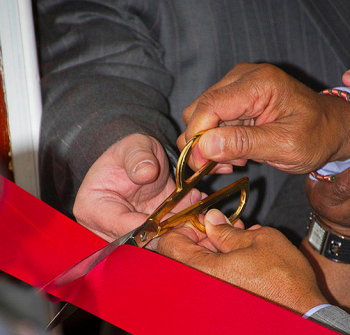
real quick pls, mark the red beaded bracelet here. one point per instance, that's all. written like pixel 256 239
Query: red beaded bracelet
pixel 320 177
pixel 340 94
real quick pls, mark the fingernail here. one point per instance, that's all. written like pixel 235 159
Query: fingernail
pixel 214 145
pixel 226 169
pixel 195 196
pixel 141 166
pixel 215 217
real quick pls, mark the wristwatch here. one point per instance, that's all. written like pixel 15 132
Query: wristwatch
pixel 326 242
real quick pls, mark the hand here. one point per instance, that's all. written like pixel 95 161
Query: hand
pixel 295 129
pixel 260 260
pixel 124 186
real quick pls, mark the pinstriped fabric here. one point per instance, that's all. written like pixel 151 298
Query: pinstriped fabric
pixel 332 19
pixel 231 32
pixel 273 30
pixel 253 28
pixel 334 317
pixel 305 41
pixel 288 33
pixel 114 67
pixel 216 37
pixel 247 33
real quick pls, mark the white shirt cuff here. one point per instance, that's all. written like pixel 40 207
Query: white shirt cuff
pixel 314 310
pixel 345 89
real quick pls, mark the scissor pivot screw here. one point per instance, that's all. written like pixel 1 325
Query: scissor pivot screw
pixel 143 236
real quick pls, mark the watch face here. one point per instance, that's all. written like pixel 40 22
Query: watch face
pixel 316 236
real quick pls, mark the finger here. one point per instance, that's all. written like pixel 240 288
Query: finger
pixel 254 227
pixel 230 77
pixel 188 111
pixel 239 224
pixel 213 107
pixel 346 78
pixel 243 99
pixel 207 244
pixel 275 144
pixel 189 199
pixel 266 143
pixel 181 244
pixel 223 235
pixel 139 159
pixel 196 161
pixel 100 218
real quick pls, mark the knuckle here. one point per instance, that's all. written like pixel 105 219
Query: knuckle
pixel 268 69
pixel 209 100
pixel 265 236
pixel 239 143
pixel 225 238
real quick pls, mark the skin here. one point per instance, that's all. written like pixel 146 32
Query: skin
pixel 259 260
pixel 283 112
pixel 132 177
pixel 124 186
pixel 332 202
pixel 346 78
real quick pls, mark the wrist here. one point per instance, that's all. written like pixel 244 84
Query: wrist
pixel 335 226
pixel 331 243
pixel 337 106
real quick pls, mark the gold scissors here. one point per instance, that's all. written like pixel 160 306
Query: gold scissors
pixel 154 227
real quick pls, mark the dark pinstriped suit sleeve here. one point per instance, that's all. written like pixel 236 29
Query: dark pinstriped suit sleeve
pixel 105 74
pixel 333 317
pixel 96 88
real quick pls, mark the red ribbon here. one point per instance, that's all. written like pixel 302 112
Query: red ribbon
pixel 134 289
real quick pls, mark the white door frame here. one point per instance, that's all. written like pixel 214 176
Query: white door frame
pixel 22 89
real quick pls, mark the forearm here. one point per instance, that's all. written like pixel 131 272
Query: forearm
pixel 103 79
pixel 75 133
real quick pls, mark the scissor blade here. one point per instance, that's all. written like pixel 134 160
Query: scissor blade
pixel 87 264
pixel 65 312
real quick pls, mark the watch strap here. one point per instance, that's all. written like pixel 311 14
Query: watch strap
pixel 326 242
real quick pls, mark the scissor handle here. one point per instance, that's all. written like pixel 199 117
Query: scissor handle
pixel 183 186
pixel 191 213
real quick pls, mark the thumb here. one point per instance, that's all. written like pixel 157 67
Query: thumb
pixel 223 235
pixel 139 159
pixel 260 143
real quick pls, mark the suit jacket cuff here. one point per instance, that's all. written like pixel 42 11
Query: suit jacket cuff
pixel 332 317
